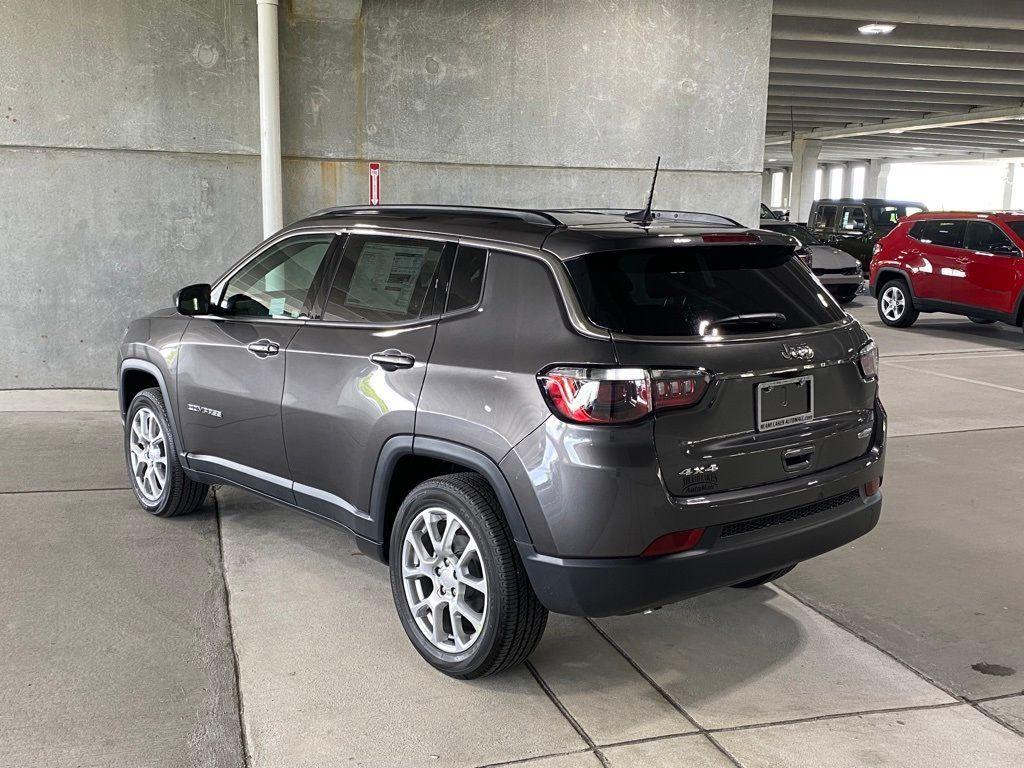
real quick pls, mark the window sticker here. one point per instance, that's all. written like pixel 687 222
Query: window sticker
pixel 277 305
pixel 385 276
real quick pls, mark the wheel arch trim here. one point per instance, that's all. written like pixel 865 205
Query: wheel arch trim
pixel 135 364
pixel 887 272
pixel 435 448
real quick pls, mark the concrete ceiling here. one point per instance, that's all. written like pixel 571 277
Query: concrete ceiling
pixel 946 84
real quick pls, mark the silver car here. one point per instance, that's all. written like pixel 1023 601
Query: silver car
pixel 837 270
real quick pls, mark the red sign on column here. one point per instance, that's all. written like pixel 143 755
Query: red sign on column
pixel 374 183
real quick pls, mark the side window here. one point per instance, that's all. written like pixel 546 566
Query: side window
pixel 826 216
pixel 854 219
pixel 276 283
pixel 466 285
pixel 384 280
pixel 947 232
pixel 985 236
pixel 918 230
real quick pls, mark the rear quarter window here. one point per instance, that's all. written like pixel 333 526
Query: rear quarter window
pixel 683 291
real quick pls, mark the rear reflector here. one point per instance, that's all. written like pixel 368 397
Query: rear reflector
pixel 670 543
pixel 871 486
pixel 724 237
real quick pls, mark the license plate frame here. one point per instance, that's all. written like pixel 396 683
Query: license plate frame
pixel 766 425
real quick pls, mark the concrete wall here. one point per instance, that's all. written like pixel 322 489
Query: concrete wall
pixel 129 133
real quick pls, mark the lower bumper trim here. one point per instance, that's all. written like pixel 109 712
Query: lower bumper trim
pixel 616 586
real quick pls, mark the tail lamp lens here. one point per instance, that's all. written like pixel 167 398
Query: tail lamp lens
pixel 871 486
pixel 670 543
pixel 619 395
pixel 867 359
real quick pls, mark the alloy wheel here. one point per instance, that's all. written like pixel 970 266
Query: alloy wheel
pixel 444 579
pixel 894 303
pixel 148 451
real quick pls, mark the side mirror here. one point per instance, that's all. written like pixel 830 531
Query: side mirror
pixel 193 299
pixel 1004 249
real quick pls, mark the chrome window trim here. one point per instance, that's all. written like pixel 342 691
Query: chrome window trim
pixel 580 323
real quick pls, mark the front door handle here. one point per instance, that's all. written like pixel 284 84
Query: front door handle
pixel 264 348
pixel 392 359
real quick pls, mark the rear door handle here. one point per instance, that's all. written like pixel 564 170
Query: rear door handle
pixel 392 359
pixel 264 348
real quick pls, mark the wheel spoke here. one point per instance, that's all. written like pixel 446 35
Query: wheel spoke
pixel 464 609
pixel 447 584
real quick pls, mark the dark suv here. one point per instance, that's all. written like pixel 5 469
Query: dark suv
pixel 519 411
pixel 855 225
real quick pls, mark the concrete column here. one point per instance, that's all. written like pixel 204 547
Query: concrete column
pixel 766 186
pixel 805 160
pixel 270 116
pixel 875 178
pixel 847 179
pixel 1008 183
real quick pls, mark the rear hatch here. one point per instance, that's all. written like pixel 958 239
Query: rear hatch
pixel 786 395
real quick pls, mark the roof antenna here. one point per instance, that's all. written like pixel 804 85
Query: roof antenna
pixel 645 217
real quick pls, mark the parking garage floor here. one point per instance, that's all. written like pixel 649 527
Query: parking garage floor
pixel 251 635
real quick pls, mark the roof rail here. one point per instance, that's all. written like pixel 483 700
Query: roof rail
pixel 698 217
pixel 524 214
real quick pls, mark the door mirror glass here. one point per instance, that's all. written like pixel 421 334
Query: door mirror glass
pixel 1005 249
pixel 193 299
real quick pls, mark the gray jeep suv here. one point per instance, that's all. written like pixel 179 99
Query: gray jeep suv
pixel 519 411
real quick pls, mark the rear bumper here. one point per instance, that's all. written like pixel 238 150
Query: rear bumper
pixel 841 281
pixel 615 586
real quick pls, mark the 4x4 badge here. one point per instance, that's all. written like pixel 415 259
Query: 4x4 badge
pixel 797 352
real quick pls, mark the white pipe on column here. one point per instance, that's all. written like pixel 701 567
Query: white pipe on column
pixel 270 116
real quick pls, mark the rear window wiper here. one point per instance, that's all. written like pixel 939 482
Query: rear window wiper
pixel 774 319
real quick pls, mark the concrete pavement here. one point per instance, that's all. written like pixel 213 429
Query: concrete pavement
pixel 120 632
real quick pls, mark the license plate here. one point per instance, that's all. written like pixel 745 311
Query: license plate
pixel 785 402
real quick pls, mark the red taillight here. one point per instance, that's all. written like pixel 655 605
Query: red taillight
pixel 670 543
pixel 867 359
pixel 725 237
pixel 618 395
pixel 871 486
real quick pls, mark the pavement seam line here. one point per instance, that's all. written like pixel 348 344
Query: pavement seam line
pixel 928 679
pixel 246 759
pixel 954 432
pixel 528 760
pixel 663 693
pixel 958 378
pixel 566 714
pixel 62 491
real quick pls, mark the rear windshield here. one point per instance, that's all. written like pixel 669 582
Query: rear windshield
pixel 1017 227
pixel 794 230
pixel 887 215
pixel 683 291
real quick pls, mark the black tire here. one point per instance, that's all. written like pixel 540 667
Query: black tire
pixel 180 495
pixel 981 320
pixel 764 578
pixel 906 314
pixel 513 618
pixel 846 296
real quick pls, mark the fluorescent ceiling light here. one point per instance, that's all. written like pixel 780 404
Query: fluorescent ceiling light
pixel 772 159
pixel 876 29
pixel 919 149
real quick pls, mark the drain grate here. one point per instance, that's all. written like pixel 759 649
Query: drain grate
pixel 788 516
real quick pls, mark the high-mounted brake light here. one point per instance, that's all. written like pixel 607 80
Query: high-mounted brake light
pixel 867 360
pixel 619 395
pixel 726 237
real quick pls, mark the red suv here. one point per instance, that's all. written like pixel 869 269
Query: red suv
pixel 965 263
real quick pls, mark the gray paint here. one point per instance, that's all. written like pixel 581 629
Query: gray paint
pixel 128 137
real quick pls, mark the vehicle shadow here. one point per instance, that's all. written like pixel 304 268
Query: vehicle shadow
pixel 701 649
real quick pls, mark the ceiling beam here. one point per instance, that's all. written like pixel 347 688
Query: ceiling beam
pixel 956 38
pixel 881 104
pixel 941 120
pixel 908 71
pixel 819 50
pixel 827 92
pixel 997 14
pixel 888 84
